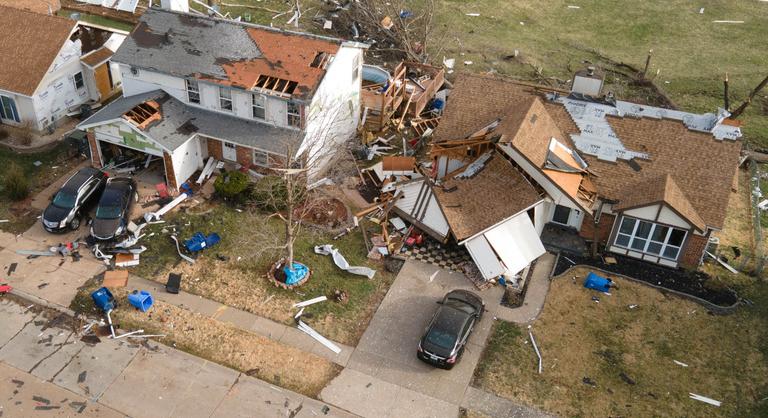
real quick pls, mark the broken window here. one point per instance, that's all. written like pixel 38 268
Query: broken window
pixel 294 114
pixel 225 98
pixel 8 109
pixel 258 106
pixel 650 238
pixel 79 82
pixel 193 91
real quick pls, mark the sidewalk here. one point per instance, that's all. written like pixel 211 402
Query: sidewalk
pixel 535 295
pixel 47 369
pixel 246 321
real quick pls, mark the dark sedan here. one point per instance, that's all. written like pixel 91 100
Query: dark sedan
pixel 448 332
pixel 113 211
pixel 73 200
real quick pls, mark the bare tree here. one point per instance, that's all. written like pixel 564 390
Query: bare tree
pixel 398 27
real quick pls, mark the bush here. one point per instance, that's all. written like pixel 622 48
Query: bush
pixel 230 184
pixel 270 194
pixel 26 133
pixel 3 133
pixel 15 182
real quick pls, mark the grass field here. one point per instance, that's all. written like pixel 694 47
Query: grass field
pixel 579 338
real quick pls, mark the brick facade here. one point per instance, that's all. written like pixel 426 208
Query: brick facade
pixel 692 251
pixel 214 149
pixel 244 156
pixel 604 227
pixel 170 175
pixel 94 145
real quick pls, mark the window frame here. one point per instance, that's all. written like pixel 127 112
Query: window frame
pixel 255 106
pixel 78 85
pixel 14 116
pixel 188 83
pixel 225 99
pixel 293 119
pixel 266 158
pixel 649 239
pixel 554 215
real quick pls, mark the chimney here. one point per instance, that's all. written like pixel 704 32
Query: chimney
pixel 175 5
pixel 588 82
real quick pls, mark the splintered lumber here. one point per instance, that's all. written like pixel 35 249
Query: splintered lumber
pixel 322 340
pixel 175 202
pixel 206 170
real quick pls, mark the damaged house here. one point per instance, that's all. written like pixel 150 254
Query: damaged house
pixel 52 66
pixel 510 158
pixel 196 87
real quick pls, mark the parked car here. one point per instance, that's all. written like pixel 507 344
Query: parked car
pixel 446 336
pixel 73 200
pixel 114 208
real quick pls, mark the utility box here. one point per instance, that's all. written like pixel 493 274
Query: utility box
pixel 588 82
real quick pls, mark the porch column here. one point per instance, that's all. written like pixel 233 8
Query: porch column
pixel 93 144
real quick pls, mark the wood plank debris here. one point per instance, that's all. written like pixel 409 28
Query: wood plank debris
pixel 723 263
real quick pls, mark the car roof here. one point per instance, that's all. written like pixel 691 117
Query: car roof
pixel 449 317
pixel 78 179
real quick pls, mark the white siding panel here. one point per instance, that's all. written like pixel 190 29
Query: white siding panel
pixel 484 257
pixel 186 160
pixel 646 212
pixel 667 216
pixel 428 213
pixel 516 242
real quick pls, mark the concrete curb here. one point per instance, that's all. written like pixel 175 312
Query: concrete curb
pixel 42 302
pixel 716 309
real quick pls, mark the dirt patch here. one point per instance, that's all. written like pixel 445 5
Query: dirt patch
pixel 615 356
pixel 327 212
pixel 257 356
pixel 694 283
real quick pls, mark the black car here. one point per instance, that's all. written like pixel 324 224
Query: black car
pixel 114 208
pixel 448 332
pixel 73 200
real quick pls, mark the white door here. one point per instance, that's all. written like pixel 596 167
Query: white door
pixel 229 151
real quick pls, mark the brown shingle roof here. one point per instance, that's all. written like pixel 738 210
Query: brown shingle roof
pixel 37 39
pixel 702 167
pixel 97 57
pixel 661 189
pixel 37 6
pixel 483 200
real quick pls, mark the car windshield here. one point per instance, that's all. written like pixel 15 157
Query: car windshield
pixel 441 337
pixel 64 199
pixel 108 212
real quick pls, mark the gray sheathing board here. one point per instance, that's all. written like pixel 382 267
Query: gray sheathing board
pixel 598 138
pixel 184 45
pixel 180 122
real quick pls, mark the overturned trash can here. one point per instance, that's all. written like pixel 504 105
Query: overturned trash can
pixel 103 299
pixel 198 242
pixel 142 300
pixel 601 284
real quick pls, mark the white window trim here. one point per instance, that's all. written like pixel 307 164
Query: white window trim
pixel 196 90
pixel 258 151
pixel 74 80
pixel 226 99
pixel 263 106
pixel 648 239
pixel 15 116
pixel 288 115
pixel 568 221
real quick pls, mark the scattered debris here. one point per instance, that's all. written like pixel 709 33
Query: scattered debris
pixel 322 340
pixel 704 399
pixel 141 300
pixel 680 363
pixel 342 263
pixel 722 263
pixel 115 278
pixel 12 268
pixel 588 381
pixel 173 284
pixel 595 282
pixel 310 302
pixel 5 289
pixel 178 249
pixel 126 260
pixel 628 380
pixel 535 347
pixel 199 241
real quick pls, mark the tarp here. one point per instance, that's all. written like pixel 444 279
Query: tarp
pixel 342 263
pixel 516 243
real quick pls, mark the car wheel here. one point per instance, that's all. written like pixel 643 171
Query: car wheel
pixel 75 224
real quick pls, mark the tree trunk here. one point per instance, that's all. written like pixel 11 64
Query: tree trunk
pixel 289 238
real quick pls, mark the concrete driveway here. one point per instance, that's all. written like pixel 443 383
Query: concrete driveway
pixel 384 369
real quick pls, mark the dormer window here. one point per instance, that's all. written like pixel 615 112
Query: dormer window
pixel 193 92
pixel 225 98
pixel 258 106
pixel 294 114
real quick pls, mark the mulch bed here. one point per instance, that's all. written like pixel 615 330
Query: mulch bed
pixel 689 282
pixel 327 212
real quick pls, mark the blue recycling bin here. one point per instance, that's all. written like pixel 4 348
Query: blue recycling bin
pixel 601 284
pixel 103 299
pixel 199 241
pixel 142 300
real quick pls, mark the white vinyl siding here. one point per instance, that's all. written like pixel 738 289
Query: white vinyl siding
pixel 650 238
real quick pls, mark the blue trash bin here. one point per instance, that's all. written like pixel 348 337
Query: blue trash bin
pixel 601 284
pixel 103 299
pixel 142 300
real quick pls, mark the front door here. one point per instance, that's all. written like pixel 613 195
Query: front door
pixel 228 151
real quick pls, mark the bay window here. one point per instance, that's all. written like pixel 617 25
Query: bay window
pixel 650 238
pixel 8 110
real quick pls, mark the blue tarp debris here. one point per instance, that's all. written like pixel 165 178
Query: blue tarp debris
pixel 296 275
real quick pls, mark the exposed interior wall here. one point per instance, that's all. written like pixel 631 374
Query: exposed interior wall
pixel 120 134
pixel 334 112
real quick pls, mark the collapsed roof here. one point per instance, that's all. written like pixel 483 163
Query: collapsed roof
pixel 227 52
pixel 699 153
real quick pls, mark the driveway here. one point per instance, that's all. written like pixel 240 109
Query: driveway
pixel 384 372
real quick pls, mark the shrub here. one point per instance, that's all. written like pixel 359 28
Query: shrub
pixel 3 133
pixel 270 193
pixel 26 133
pixel 230 184
pixel 15 182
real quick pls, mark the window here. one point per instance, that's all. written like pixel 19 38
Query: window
pixel 294 115
pixel 8 109
pixel 260 158
pixel 225 98
pixel 562 213
pixel 193 91
pixel 79 82
pixel 650 238
pixel 258 106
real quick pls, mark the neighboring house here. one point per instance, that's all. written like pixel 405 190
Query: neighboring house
pixel 646 182
pixel 46 7
pixel 50 66
pixel 197 87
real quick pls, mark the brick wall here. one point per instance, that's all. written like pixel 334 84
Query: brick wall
pixel 170 175
pixel 214 149
pixel 244 156
pixel 94 145
pixel 692 251
pixel 603 227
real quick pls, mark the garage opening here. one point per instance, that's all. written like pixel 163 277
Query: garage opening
pixel 148 170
